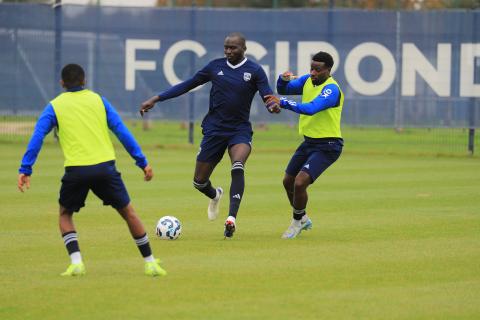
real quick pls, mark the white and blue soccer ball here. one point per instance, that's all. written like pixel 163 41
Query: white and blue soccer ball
pixel 168 228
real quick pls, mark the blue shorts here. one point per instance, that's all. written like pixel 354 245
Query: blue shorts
pixel 103 179
pixel 212 147
pixel 314 156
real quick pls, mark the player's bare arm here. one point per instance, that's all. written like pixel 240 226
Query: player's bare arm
pixel 148 104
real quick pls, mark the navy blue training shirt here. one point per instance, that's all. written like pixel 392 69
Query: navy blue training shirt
pixel 231 95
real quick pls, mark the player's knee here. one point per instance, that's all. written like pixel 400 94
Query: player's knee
pixel 301 182
pixel 288 182
pixel 64 212
pixel 126 212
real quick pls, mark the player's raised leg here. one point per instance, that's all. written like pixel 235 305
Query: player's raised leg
pixel 152 266
pixel 201 182
pixel 70 239
pixel 300 220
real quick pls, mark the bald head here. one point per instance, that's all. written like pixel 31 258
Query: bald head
pixel 234 48
pixel 239 37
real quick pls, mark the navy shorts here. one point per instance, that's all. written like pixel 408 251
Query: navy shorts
pixel 212 147
pixel 103 179
pixel 314 156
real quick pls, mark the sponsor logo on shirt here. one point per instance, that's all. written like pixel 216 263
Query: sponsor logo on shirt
pixel 247 76
pixel 326 93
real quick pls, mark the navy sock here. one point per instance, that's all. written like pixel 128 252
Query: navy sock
pixel 205 188
pixel 143 245
pixel 298 214
pixel 70 240
pixel 236 188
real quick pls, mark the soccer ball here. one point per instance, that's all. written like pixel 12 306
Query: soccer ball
pixel 168 228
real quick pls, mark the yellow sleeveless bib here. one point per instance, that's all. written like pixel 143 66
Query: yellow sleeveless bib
pixel 82 128
pixel 323 124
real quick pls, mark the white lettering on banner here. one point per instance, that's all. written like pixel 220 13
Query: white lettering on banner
pixel 257 51
pixel 282 53
pixel 468 55
pixel 413 63
pixel 173 51
pixel 352 64
pixel 131 62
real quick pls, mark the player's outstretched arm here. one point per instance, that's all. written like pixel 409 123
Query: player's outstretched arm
pixel 148 104
pixel 198 79
pixel 328 98
pixel 148 173
pixel 116 125
pixel 23 182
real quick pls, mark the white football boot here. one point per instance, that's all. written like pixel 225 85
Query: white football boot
pixel 296 227
pixel 214 205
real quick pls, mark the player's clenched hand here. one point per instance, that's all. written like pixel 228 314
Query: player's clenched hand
pixel 272 103
pixel 149 104
pixel 287 76
pixel 23 181
pixel 148 171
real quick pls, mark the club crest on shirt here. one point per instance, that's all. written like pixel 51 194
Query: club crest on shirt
pixel 247 76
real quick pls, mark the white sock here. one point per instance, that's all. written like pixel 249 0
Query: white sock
pixel 304 218
pixel 150 258
pixel 76 257
pixel 231 218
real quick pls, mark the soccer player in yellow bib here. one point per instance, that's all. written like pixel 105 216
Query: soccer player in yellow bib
pixel 83 119
pixel 320 113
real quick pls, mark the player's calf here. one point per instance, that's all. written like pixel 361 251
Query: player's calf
pixel 205 188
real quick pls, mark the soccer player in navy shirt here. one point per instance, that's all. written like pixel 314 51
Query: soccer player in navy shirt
pixel 235 80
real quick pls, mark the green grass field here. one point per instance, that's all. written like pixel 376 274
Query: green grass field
pixel 396 236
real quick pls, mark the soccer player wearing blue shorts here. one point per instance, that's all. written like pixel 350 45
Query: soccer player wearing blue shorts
pixel 320 113
pixel 83 118
pixel 235 80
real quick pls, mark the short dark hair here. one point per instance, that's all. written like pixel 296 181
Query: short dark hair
pixel 73 75
pixel 324 57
